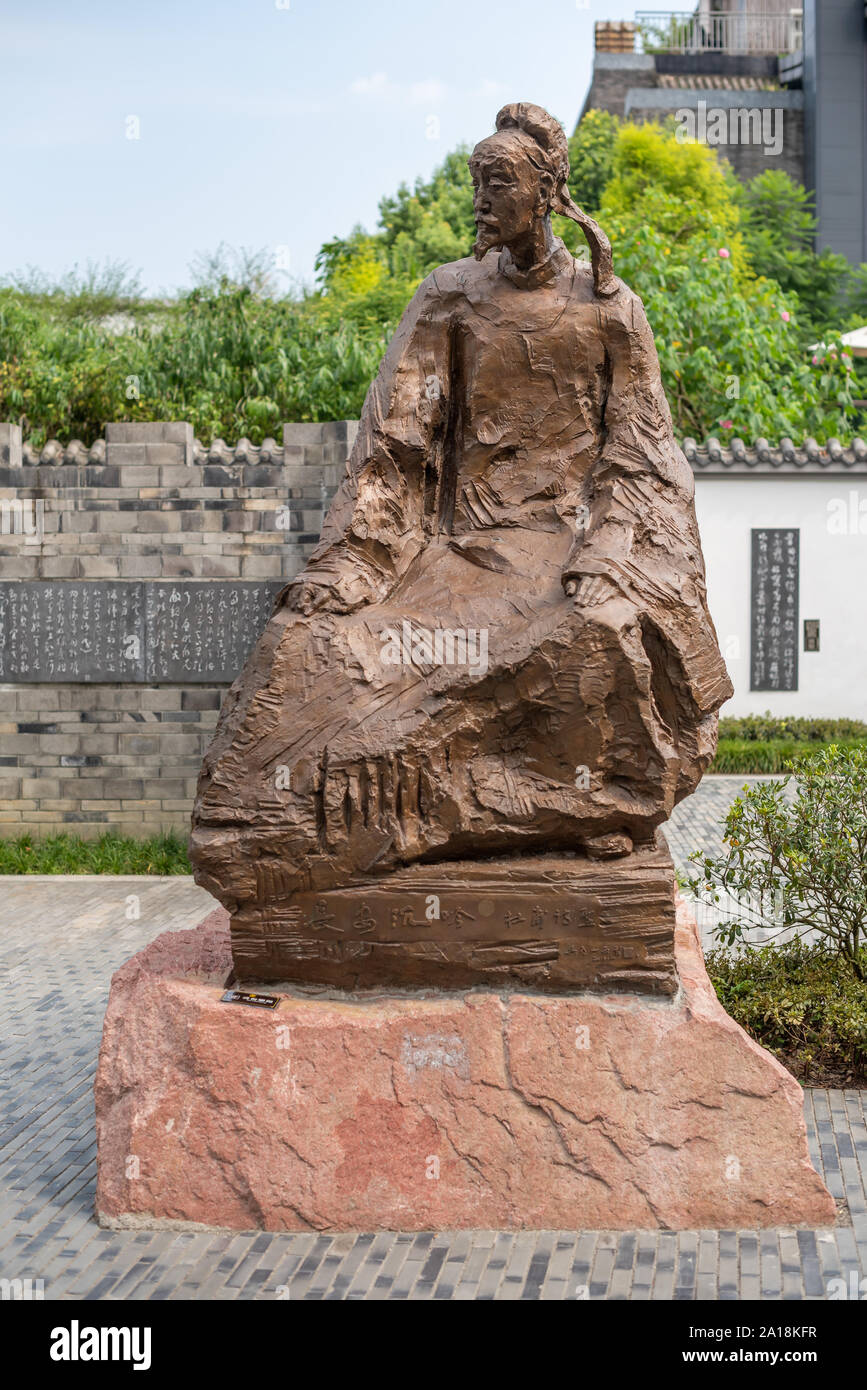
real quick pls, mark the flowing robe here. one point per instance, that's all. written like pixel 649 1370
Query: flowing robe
pixel 517 435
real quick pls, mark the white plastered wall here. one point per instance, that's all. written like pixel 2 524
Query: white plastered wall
pixel 831 515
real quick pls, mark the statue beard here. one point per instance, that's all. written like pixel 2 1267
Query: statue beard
pixel 486 240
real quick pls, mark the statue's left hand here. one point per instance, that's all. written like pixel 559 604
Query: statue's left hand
pixel 305 596
pixel 591 590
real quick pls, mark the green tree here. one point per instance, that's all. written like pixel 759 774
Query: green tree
pixel 731 359
pixel 367 279
pixel 699 190
pixel 780 225
pixel 591 156
pixel 431 224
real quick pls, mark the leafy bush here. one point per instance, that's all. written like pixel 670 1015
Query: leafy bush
pixel 797 861
pixel 728 346
pixel 797 1003
pixel 780 224
pixel 767 728
pixel 110 854
pixel 231 363
pixel 763 743
pixel 682 184
pixel 98 291
pixel 735 755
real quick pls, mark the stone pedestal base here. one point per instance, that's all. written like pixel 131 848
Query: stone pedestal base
pixel 549 922
pixel 484 1109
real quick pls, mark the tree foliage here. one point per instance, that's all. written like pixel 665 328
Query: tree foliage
pixel 780 224
pixel 732 287
pixel 591 156
pixel 649 161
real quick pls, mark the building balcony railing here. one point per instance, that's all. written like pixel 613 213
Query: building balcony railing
pixel 701 31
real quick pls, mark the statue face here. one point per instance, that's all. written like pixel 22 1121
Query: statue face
pixel 508 197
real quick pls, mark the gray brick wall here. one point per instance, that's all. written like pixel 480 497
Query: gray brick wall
pixel 641 87
pixel 153 503
pixel 614 74
pixel 155 508
pixel 85 759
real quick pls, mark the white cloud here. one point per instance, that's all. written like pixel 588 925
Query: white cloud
pixel 370 86
pixel 428 93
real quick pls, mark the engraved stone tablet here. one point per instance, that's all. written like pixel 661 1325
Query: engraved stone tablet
pixel 105 630
pixel 203 631
pixel 774 609
pixel 58 630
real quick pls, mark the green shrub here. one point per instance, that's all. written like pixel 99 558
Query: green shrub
pixel 110 854
pixel 797 1002
pixel 797 861
pixel 745 755
pixel 765 728
pixel 763 743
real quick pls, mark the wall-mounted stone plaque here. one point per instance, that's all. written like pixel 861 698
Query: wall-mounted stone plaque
pixel 203 631
pixel 106 630
pixel 55 630
pixel 774 608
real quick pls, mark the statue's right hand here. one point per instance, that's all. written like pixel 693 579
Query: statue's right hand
pixel 590 589
pixel 305 596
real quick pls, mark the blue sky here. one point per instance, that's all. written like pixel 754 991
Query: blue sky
pixel 261 123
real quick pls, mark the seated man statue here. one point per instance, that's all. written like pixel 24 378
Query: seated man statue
pixel 500 650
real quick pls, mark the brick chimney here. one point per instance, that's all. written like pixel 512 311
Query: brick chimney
pixel 614 36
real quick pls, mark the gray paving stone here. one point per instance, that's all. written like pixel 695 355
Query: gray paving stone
pixel 60 942
pixel 666 1258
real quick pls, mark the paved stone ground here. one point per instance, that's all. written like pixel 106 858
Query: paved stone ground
pixel 60 940
pixel 697 821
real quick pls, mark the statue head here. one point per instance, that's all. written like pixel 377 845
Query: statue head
pixel 512 193
pixel 520 176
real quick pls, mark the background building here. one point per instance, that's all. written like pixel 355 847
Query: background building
pixel 789 84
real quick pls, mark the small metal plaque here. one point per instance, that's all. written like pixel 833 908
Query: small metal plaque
pixel 259 1001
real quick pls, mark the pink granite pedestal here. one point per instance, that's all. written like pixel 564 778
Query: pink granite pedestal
pixel 473 1109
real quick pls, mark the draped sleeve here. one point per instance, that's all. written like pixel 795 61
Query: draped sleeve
pixel 381 514
pixel 642 531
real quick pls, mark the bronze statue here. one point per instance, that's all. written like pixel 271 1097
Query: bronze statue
pixel 446 761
